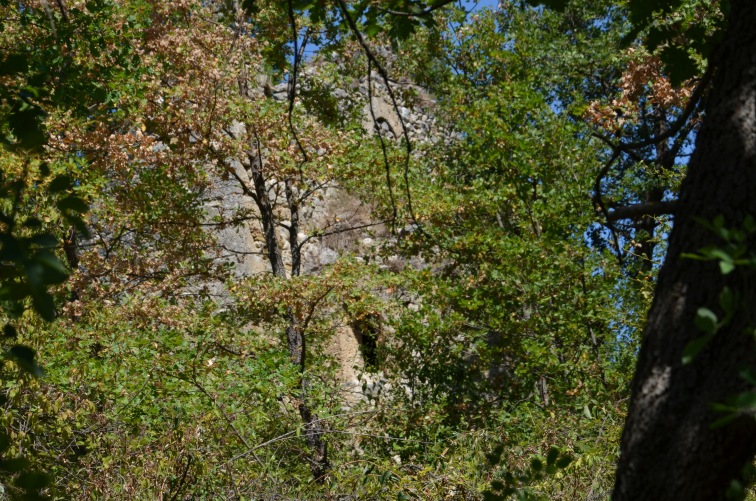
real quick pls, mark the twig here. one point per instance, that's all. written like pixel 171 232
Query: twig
pixel 373 60
pixel 62 9
pixel 597 199
pixel 382 141
pixel 50 18
pixel 298 52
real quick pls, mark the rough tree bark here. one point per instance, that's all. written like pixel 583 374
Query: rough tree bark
pixel 669 449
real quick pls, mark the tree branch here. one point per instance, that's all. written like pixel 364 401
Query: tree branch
pixel 635 211
pixel 599 202
pixel 373 60
pixel 695 97
pixel 422 13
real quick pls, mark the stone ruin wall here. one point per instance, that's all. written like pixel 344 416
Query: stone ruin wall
pixel 241 247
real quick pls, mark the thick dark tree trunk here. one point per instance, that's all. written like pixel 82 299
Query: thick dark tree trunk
pixel 669 449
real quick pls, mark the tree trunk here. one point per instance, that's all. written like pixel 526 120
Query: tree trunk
pixel 295 336
pixel 669 449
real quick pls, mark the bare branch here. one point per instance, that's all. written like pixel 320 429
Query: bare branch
pixel 373 60
pixel 62 9
pixel 599 202
pixel 298 54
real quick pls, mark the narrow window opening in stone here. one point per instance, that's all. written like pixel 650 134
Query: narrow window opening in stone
pixel 367 331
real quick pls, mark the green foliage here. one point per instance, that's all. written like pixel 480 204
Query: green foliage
pixel 733 253
pixel 31 265
pixel 507 334
pixel 397 18
pixel 683 32
pixel 37 196
pixel 31 268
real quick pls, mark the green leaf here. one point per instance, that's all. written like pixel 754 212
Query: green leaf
pixel 44 268
pixel 11 249
pixel 402 28
pixel 694 347
pixel 372 29
pixel 55 270
pixel 495 456
pixel 716 253
pixel 15 291
pixel 44 305
pixel 717 224
pixel 696 257
pixel 490 496
pixel 749 375
pixel 14 64
pixel 726 267
pixel 745 402
pixel 25 121
pixel 32 222
pixel 706 320
pixel 303 4
pixel 657 36
pixel 727 300
pixel 35 274
pixel 749 224
pixel 587 412
pixel 724 421
pixel 45 240
pixel 736 490
pixel 641 11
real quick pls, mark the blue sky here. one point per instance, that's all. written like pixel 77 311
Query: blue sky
pixel 488 3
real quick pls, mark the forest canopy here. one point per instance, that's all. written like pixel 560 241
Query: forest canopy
pixel 377 249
